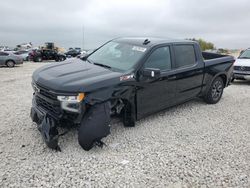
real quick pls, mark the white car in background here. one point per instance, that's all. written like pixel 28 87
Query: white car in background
pixel 242 66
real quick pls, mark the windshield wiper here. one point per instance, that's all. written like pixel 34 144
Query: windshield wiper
pixel 102 65
pixel 89 61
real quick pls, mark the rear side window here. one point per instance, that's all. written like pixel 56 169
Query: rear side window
pixel 160 59
pixel 184 55
pixel 3 54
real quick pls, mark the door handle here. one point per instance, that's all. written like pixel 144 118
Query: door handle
pixel 172 77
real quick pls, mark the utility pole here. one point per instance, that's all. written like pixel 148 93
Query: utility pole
pixel 83 37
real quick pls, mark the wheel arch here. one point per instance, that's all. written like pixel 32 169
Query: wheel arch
pixel 10 60
pixel 209 80
pixel 224 78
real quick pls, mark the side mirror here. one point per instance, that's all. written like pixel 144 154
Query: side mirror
pixel 151 73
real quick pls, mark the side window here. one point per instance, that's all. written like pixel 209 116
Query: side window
pixel 160 58
pixel 3 54
pixel 184 55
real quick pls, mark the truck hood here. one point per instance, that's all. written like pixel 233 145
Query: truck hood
pixel 75 76
pixel 242 62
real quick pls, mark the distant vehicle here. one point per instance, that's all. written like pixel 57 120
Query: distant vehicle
pixel 242 66
pixel 41 55
pixel 128 77
pixel 78 49
pixel 84 53
pixel 10 59
pixel 24 46
pixel 73 53
pixel 24 54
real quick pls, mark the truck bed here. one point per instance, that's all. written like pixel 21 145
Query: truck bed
pixel 213 58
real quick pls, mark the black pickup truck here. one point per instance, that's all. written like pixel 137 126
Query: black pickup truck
pixel 127 77
pixel 46 54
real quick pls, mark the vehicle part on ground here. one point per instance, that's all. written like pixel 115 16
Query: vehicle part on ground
pixel 95 125
pixel 49 132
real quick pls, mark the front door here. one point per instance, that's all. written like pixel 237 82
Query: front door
pixel 156 94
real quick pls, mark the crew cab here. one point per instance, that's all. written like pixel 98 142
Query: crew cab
pixel 242 66
pixel 126 77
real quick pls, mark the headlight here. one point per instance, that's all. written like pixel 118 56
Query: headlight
pixel 76 98
pixel 71 103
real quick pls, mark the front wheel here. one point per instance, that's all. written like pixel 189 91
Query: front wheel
pixel 61 58
pixel 10 63
pixel 215 91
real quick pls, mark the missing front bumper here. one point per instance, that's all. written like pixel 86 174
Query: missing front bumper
pixel 47 125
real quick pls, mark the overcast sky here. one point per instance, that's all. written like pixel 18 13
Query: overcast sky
pixel 223 22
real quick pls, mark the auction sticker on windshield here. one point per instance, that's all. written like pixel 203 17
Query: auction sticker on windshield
pixel 139 49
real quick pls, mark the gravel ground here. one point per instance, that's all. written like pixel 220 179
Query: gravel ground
pixel 192 145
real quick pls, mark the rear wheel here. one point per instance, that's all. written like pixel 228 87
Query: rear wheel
pixel 232 79
pixel 10 63
pixel 215 91
pixel 61 58
pixel 39 59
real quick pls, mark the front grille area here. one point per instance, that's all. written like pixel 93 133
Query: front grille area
pixel 47 93
pixel 242 68
pixel 47 101
pixel 53 108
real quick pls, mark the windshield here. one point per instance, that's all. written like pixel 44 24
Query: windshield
pixel 119 56
pixel 245 55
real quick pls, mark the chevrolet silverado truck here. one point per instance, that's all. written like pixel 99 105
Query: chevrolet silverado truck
pixel 126 77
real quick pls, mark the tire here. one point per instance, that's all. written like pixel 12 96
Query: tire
pixel 10 63
pixel 61 58
pixel 39 59
pixel 232 79
pixel 94 126
pixel 215 91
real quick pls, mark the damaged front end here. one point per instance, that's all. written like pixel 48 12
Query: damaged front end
pixel 51 110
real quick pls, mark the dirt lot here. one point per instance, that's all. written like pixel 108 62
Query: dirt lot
pixel 191 145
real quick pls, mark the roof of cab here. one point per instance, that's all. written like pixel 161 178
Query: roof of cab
pixel 150 41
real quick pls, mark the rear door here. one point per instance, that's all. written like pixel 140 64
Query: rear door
pixel 189 72
pixel 3 58
pixel 156 94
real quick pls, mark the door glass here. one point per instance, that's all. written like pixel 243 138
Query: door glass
pixel 159 59
pixel 3 54
pixel 184 55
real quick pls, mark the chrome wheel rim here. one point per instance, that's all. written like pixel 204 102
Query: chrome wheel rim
pixel 217 89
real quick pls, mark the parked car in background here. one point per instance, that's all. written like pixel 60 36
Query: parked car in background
pixel 73 53
pixel 40 55
pixel 10 59
pixel 242 66
pixel 24 54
